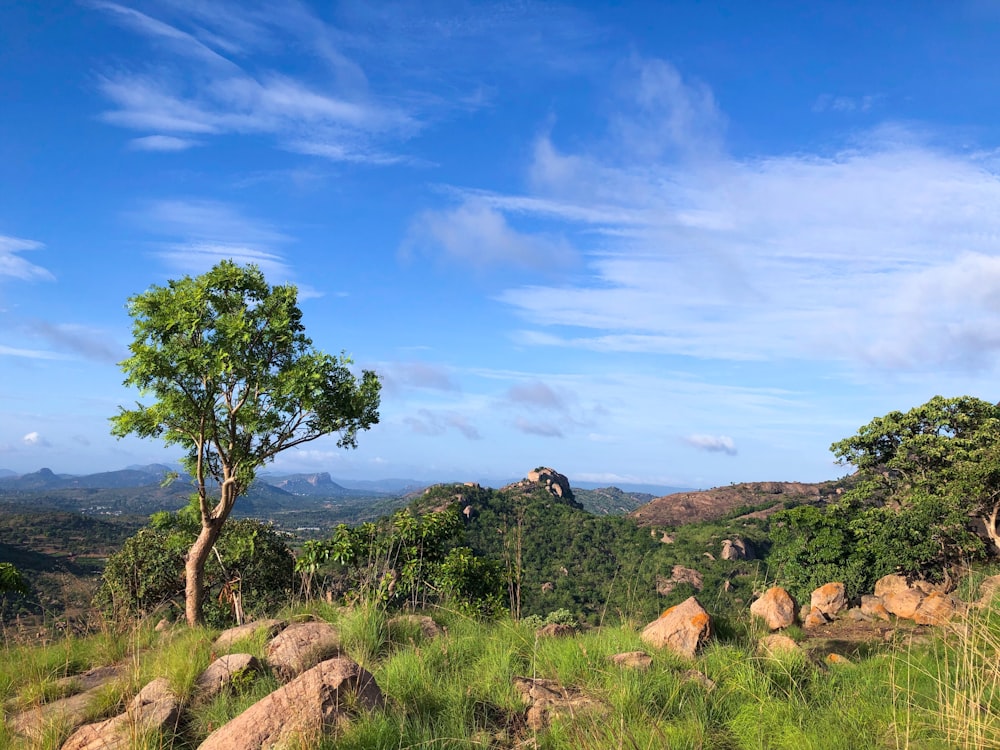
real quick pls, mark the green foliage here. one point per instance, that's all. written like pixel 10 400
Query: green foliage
pixel 407 559
pixel 11 580
pixel 253 566
pixel 235 381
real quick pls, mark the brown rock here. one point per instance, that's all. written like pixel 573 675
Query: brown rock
pixel 935 609
pixel 547 699
pixel 872 607
pixel 683 628
pixel 693 675
pixel 891 584
pixel 736 549
pixel 632 659
pixel 302 710
pixel 679 574
pixel 154 709
pixel 815 619
pixel 553 481
pixel 903 603
pixel 776 644
pixel 428 628
pixel 301 646
pixel 555 630
pixel 838 660
pixel 829 599
pixel 776 607
pixel 227 638
pixel 988 589
pixel 218 676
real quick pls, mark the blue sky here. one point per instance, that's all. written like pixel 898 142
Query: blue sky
pixel 675 243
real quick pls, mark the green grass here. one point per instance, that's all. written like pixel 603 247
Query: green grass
pixel 457 690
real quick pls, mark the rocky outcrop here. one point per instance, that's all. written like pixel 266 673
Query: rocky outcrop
pixel 871 606
pixel 776 607
pixel 555 630
pixel 683 628
pixel 737 549
pixel 547 699
pixel 220 674
pixel 154 709
pixel 550 480
pixel 921 601
pixel 227 638
pixel 678 575
pixel 301 711
pixel 301 646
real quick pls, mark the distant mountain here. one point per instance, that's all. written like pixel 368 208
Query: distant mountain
pixel 611 501
pixel 43 479
pixel 8 473
pixel 387 486
pixel 654 490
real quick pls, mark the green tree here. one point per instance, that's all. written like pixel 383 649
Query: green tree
pixel 943 455
pixel 235 381
pixel 11 580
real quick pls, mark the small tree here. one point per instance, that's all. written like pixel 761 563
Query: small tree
pixel 235 382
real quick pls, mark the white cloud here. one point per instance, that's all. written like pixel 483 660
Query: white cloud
pixel 219 77
pixel 10 351
pixel 883 252
pixel 479 235
pixel 89 342
pixel 14 266
pixel 418 375
pixel 536 394
pixel 713 443
pixel 162 143
pixel 35 439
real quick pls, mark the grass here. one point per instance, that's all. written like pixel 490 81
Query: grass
pixel 457 690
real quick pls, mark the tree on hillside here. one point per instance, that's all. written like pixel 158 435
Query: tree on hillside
pixel 235 381
pixel 945 453
pixel 11 580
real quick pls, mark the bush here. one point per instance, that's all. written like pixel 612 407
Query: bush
pixel 251 571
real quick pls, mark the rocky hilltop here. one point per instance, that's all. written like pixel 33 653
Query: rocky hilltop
pixel 720 502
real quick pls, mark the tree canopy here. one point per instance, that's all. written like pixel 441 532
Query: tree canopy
pixel 234 381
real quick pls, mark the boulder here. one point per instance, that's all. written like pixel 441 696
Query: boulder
pixel 693 675
pixel 988 589
pixel 679 574
pixel 632 659
pixel 935 609
pixel 683 628
pixel 815 619
pixel 71 711
pixel 227 638
pixel 428 628
pixel 154 709
pixel 903 603
pixel 302 710
pixel 829 599
pixel 776 607
pixel 547 699
pixel 218 676
pixel 873 607
pixel 777 643
pixel 555 630
pixel 301 646
pixel 838 660
pixel 556 483
pixel 891 584
pixel 737 549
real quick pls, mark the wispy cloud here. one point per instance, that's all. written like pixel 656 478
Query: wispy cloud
pixel 418 375
pixel 541 429
pixel 218 76
pixel 427 422
pixel 713 443
pixel 479 235
pixel 90 343
pixel 10 351
pixel 536 394
pixel 14 266
pixel 831 103
pixel 880 252
pixel 162 143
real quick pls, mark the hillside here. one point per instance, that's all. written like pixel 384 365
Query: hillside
pixel 736 499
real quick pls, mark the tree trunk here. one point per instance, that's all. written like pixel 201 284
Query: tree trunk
pixel 990 522
pixel 194 571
